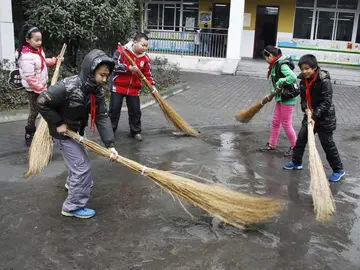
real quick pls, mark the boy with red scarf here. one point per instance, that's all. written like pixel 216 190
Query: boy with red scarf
pixel 316 94
pixel 127 84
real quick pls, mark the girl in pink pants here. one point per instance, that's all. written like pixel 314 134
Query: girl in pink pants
pixel 282 75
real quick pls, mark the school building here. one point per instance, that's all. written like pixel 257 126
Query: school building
pixel 239 29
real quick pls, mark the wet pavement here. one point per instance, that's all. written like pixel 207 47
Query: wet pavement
pixel 139 226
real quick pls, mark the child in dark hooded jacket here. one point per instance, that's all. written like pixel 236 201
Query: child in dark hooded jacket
pixel 66 105
pixel 316 94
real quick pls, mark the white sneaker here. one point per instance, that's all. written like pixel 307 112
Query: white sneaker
pixel 67 187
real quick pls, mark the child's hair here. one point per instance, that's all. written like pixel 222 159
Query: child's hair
pixel 140 36
pixel 271 50
pixel 308 59
pixel 25 33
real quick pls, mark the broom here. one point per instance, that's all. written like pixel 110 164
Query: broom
pixel 42 144
pixel 168 111
pixel 245 116
pixel 232 207
pixel 324 204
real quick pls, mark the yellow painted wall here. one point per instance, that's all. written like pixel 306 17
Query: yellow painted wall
pixel 286 15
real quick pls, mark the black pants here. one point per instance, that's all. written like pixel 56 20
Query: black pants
pixel 133 105
pixel 32 97
pixel 327 143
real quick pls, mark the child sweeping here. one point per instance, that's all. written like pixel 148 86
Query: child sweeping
pixel 281 73
pixel 66 105
pixel 316 94
pixel 33 71
pixel 127 84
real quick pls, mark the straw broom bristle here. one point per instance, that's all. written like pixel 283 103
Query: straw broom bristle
pixel 41 147
pixel 245 116
pixel 173 116
pixel 232 207
pixel 324 205
pixel 40 151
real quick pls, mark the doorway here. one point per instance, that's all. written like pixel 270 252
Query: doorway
pixel 267 18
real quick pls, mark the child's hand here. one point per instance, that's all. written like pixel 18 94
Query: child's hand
pixel 60 58
pixel 133 68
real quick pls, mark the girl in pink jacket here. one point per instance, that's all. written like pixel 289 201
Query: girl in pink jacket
pixel 33 70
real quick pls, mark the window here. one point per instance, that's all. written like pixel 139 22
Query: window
pixel 154 15
pixel 172 15
pixel 344 29
pixel 305 3
pixel 190 16
pixel 324 25
pixel 358 32
pixel 347 4
pixel 303 21
pixel 333 20
pixel 326 3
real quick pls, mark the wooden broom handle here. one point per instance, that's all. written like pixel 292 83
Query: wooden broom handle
pixel 57 68
pixel 141 75
pixel 273 94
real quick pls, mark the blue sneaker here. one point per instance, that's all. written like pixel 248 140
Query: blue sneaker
pixel 336 176
pixel 292 166
pixel 80 213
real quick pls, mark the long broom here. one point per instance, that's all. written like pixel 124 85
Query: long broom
pixel 245 116
pixel 232 207
pixel 168 111
pixel 324 205
pixel 42 144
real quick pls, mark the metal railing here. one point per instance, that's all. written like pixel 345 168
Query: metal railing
pixel 191 43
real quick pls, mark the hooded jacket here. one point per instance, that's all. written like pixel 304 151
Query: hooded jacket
pixel 68 101
pixel 124 81
pixel 321 101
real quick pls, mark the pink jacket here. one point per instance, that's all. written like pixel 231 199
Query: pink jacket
pixel 33 69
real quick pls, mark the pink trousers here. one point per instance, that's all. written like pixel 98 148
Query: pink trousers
pixel 282 117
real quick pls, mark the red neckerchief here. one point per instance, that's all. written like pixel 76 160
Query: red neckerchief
pixel 92 113
pixel 308 86
pixel 271 64
pixel 27 48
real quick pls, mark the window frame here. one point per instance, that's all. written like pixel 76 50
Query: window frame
pixel 315 18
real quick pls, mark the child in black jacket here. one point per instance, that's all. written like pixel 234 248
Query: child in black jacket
pixel 316 94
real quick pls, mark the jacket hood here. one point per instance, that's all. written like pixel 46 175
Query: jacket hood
pixel 91 61
pixel 128 46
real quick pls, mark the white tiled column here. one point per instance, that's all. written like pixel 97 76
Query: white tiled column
pixel 236 23
pixel 7 48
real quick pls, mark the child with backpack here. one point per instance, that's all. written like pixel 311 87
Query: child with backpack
pixel 316 94
pixel 282 75
pixel 33 70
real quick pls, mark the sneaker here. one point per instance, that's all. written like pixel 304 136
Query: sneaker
pixel 268 147
pixel 138 137
pixel 80 213
pixel 292 166
pixel 289 152
pixel 67 187
pixel 336 176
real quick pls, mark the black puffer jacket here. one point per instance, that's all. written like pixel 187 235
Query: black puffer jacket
pixel 68 101
pixel 321 102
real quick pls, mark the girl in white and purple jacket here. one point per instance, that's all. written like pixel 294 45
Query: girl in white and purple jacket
pixel 33 70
